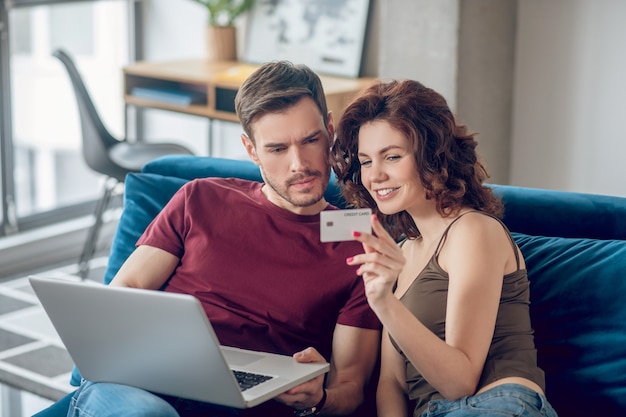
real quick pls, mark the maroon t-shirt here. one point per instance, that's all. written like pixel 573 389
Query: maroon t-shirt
pixel 264 278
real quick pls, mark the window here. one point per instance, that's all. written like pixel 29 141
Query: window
pixel 44 176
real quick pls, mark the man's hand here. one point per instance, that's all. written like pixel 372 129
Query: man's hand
pixel 307 394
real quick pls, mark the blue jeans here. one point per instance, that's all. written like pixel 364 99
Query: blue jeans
pixel 507 400
pixel 113 400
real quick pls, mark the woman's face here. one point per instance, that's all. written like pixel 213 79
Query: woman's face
pixel 388 169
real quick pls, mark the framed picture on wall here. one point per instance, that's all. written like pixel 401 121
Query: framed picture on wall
pixel 326 35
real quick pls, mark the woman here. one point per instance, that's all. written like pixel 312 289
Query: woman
pixel 454 295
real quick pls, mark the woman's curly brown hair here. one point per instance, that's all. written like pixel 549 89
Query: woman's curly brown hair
pixel 444 151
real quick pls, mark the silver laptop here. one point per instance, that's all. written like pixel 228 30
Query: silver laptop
pixel 161 342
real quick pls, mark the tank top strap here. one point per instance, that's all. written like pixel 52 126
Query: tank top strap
pixel 508 233
pixel 445 233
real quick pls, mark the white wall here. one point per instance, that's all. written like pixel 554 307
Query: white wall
pixel 569 89
pixel 418 39
pixel 485 79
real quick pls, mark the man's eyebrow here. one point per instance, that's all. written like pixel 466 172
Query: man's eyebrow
pixel 312 135
pixel 304 138
pixel 273 145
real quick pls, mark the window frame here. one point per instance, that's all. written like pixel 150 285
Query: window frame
pixel 10 224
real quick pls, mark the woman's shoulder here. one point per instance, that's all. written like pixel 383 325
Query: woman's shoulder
pixel 479 234
pixel 477 229
pixel 478 222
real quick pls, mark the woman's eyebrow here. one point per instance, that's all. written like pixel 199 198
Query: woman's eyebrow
pixel 383 150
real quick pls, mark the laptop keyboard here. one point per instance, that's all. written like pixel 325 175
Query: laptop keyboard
pixel 248 380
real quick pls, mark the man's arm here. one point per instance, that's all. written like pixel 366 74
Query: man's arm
pixel 147 267
pixel 355 353
pixel 391 393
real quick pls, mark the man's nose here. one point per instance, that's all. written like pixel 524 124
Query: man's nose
pixel 298 160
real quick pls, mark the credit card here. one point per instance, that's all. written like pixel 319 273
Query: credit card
pixel 338 225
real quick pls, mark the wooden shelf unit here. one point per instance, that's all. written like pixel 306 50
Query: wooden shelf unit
pixel 213 86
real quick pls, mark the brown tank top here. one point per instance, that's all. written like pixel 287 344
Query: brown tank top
pixel 512 351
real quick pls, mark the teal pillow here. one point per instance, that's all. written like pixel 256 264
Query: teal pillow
pixel 145 195
pixel 578 310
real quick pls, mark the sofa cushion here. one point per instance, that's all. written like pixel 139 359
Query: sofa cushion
pixel 144 197
pixel 579 315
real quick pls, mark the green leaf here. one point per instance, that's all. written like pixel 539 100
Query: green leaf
pixel 224 12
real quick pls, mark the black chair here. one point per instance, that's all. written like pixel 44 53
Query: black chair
pixel 106 154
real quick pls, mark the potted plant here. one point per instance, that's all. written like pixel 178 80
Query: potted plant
pixel 221 33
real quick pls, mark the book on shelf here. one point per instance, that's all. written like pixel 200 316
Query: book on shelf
pixel 167 95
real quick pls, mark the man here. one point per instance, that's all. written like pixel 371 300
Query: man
pixel 251 253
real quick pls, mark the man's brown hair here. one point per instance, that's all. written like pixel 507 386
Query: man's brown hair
pixel 275 87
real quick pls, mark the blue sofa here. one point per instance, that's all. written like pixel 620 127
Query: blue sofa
pixel 575 250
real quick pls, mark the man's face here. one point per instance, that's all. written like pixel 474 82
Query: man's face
pixel 292 150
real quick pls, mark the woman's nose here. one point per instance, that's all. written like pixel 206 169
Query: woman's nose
pixel 376 172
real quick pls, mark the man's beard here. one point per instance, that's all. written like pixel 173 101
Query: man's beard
pixel 295 199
